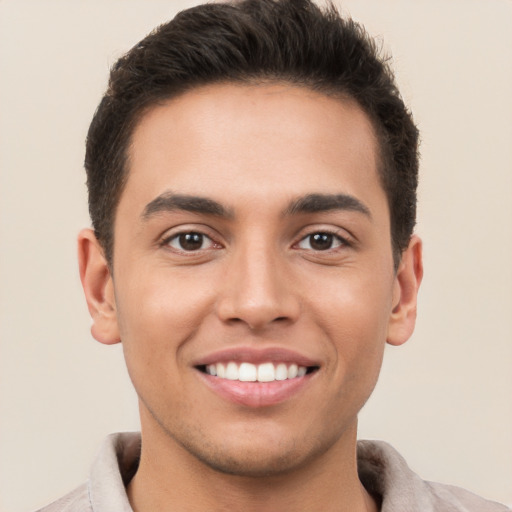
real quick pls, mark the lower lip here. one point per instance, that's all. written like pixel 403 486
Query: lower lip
pixel 256 394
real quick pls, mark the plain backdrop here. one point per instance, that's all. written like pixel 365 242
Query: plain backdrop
pixel 444 398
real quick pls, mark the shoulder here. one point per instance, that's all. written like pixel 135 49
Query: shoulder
pixel 75 501
pixel 114 466
pixel 385 474
pixel 458 499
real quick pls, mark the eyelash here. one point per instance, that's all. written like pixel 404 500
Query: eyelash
pixel 341 241
pixel 177 237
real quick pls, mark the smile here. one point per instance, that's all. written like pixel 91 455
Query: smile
pixel 257 377
pixel 248 372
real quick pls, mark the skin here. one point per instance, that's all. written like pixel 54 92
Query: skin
pixel 256 282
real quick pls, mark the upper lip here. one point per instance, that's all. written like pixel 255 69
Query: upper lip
pixel 256 356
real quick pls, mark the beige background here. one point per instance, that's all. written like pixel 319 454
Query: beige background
pixel 444 399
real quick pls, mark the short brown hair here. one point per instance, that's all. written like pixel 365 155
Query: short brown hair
pixel 248 41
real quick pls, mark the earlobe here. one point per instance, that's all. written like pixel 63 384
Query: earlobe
pixel 406 286
pixel 98 288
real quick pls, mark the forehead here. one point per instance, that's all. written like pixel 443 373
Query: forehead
pixel 252 141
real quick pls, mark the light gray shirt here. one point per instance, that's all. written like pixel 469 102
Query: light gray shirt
pixel 382 471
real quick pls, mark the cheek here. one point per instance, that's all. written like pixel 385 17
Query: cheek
pixel 353 311
pixel 157 313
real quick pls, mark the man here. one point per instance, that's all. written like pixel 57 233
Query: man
pixel 252 179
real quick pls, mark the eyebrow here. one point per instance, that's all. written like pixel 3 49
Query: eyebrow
pixel 314 203
pixel 169 202
pixel 310 203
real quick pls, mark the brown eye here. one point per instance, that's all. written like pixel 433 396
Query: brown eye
pixel 190 241
pixel 320 242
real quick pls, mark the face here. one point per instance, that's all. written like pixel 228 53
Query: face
pixel 253 286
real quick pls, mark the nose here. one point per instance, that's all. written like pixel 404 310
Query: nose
pixel 258 290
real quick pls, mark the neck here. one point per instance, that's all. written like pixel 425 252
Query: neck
pixel 169 477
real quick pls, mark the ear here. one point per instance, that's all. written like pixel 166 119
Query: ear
pixel 405 293
pixel 98 288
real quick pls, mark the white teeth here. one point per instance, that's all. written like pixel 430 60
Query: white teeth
pixel 266 372
pixel 221 370
pixel 281 372
pixel 248 372
pixel 232 371
pixel 292 371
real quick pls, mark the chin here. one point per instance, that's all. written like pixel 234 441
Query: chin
pixel 256 455
pixel 250 464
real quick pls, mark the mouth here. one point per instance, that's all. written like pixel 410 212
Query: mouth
pixel 263 372
pixel 257 378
